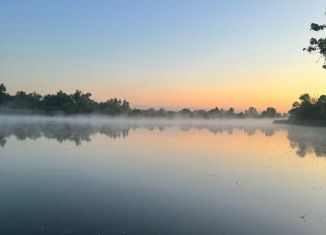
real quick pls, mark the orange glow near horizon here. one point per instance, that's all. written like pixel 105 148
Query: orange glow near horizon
pixel 239 89
pixel 277 90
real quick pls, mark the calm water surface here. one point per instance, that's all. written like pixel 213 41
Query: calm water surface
pixel 158 177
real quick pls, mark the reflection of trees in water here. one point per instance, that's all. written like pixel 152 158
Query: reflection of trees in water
pixel 304 139
pixel 308 140
pixel 82 132
pixel 217 129
pixel 77 133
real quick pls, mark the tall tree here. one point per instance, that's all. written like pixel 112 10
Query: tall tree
pixel 317 45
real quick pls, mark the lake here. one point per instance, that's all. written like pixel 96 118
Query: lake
pixel 118 176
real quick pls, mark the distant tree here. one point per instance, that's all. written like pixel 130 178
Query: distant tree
pixel 3 89
pixel 230 112
pixel 3 94
pixel 186 113
pixel 24 101
pixel 270 112
pixel 151 112
pixel 162 112
pixel 241 115
pixel 251 112
pixel 116 107
pixel 60 102
pixel 317 45
pixel 125 107
pixel 200 113
pixel 82 102
pixel 214 113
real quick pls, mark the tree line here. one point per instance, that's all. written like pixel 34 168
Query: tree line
pixel 79 103
pixel 59 103
pixel 309 110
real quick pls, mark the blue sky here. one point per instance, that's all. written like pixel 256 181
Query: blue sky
pixel 163 53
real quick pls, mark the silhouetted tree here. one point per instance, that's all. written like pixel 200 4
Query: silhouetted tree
pixel 186 113
pixel 24 101
pixel 82 102
pixel 251 112
pixel 60 102
pixel 317 45
pixel 309 109
pixel 114 107
pixel 270 112
pixel 3 89
pixel 3 94
pixel 214 113
pixel 230 112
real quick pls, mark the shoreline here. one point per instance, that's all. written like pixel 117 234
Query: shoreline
pixel 309 122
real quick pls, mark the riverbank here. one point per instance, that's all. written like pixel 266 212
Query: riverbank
pixel 309 122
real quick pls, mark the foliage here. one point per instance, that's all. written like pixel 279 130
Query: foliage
pixel 308 108
pixel 59 103
pixel 82 103
pixel 317 45
pixel 251 112
pixel 270 112
pixel 3 94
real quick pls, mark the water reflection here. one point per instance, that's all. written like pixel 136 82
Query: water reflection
pixel 308 140
pixel 81 132
pixel 160 177
pixel 304 140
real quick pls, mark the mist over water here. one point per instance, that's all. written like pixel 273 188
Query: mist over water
pixel 79 129
pixel 96 175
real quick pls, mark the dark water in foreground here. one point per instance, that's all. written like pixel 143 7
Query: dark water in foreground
pixel 156 177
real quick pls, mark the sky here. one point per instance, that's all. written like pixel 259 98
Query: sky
pixel 171 54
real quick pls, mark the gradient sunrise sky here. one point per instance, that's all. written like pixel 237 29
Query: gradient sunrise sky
pixel 174 54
